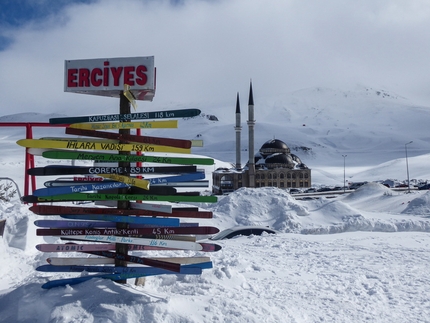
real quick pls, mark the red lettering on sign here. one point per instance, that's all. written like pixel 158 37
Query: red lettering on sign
pixel 128 75
pixel 84 77
pixel 106 74
pixel 71 77
pixel 103 76
pixel 95 80
pixel 141 78
pixel 116 73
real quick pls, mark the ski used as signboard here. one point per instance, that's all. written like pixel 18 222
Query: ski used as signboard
pixel 171 142
pixel 127 180
pixel 176 178
pixel 175 237
pixel 185 184
pixel 163 243
pixel 183 269
pixel 127 232
pixel 62 224
pixel 164 124
pixel 168 114
pixel 133 181
pixel 108 258
pixel 99 186
pixel 118 197
pixel 173 222
pixel 82 170
pixel 148 271
pixel 81 247
pixel 107 157
pixel 97 145
pixel 60 190
pixel 188 180
pixel 59 209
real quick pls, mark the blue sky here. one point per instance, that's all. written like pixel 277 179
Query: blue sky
pixel 18 13
pixel 207 50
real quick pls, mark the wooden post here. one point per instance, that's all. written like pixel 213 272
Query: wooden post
pixel 122 249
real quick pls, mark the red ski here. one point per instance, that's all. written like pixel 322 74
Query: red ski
pixel 179 143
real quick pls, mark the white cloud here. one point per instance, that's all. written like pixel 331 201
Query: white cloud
pixel 206 51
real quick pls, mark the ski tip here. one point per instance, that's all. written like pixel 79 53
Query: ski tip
pixel 30 199
pixel 38 247
pixel 217 247
pixel 48 260
pixel 210 247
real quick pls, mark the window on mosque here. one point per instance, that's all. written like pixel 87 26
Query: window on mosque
pixel 293 176
pixel 257 176
pixel 275 176
pixel 281 176
pixel 281 184
pixel 269 176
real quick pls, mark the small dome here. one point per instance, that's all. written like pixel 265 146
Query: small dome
pixel 280 160
pixel 274 146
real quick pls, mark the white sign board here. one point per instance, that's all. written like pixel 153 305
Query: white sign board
pixel 107 76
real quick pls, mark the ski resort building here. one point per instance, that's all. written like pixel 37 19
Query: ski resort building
pixel 273 165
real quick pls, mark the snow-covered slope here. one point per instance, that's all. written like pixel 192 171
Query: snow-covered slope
pixel 359 257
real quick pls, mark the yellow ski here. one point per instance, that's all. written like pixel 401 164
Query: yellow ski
pixel 194 143
pixel 93 145
pixel 142 183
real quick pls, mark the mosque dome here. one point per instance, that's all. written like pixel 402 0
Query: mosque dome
pixel 279 160
pixel 274 146
pixel 275 153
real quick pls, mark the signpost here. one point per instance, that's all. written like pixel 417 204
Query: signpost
pixel 128 79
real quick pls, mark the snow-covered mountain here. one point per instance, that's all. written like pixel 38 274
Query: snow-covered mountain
pixel 360 257
pixel 370 126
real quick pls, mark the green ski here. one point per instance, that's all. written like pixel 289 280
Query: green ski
pixel 105 157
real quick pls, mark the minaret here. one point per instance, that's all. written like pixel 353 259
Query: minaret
pixel 238 128
pixel 251 123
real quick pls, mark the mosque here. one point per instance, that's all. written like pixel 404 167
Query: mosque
pixel 273 165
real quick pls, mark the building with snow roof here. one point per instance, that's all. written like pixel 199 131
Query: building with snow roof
pixel 273 165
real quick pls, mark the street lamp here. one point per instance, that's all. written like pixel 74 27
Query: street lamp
pixel 407 166
pixel 344 156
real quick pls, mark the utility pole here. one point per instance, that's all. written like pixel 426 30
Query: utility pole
pixel 407 166
pixel 344 156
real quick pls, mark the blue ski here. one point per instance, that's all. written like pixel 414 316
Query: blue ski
pixel 100 186
pixel 94 224
pixel 191 270
pixel 168 222
pixel 179 178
